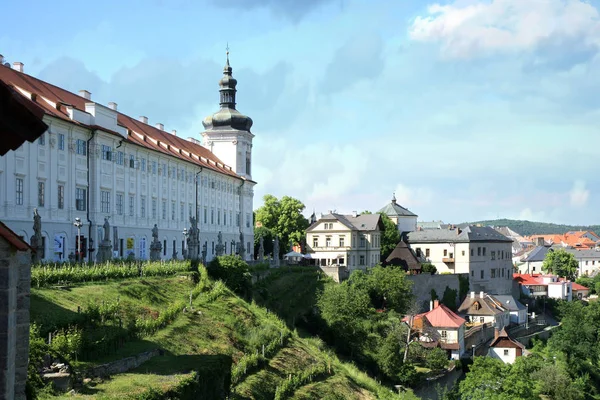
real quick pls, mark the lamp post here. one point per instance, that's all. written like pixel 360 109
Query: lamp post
pixel 473 347
pixel 527 316
pixel 185 235
pixel 78 225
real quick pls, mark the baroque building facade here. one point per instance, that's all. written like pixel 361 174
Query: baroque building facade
pixel 94 162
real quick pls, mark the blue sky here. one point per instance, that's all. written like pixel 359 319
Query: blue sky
pixel 465 109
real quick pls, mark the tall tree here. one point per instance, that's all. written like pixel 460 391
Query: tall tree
pixel 284 218
pixel 561 263
pixel 390 236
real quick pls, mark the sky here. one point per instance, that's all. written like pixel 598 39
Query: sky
pixel 465 109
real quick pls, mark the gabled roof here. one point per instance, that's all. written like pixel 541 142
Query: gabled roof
pixel 505 341
pixel 12 238
pixel 362 222
pixel 477 305
pixel 138 132
pixel 577 286
pixel 470 233
pixel 403 256
pixel 441 317
pixel 394 209
pixel 509 302
pixel 538 254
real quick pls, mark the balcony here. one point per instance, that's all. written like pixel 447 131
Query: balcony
pixel 448 260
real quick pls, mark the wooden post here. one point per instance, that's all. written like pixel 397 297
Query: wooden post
pixel 263 348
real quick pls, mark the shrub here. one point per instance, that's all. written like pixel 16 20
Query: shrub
pixel 233 271
pixel 428 268
pixel 436 359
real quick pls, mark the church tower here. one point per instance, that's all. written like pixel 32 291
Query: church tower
pixel 227 132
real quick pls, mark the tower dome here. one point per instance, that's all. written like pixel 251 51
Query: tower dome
pixel 227 117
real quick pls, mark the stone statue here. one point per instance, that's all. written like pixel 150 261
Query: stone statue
pixel 242 249
pixel 155 233
pixel 155 245
pixel 219 248
pixel 276 251
pixel 36 240
pixel 261 249
pixel 204 251
pixel 106 230
pixel 193 239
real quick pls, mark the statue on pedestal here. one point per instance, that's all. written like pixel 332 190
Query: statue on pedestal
pixel 155 245
pixel 105 247
pixel 193 239
pixel 36 240
pixel 219 248
pixel 261 249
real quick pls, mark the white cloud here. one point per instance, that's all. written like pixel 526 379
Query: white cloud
pixel 504 25
pixel 411 197
pixel 579 194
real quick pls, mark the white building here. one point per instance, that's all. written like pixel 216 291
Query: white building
pixel 504 348
pixel 353 241
pixel 545 286
pixel 95 162
pixel 518 312
pixel 481 252
pixel 482 308
pixel 405 220
pixel 588 260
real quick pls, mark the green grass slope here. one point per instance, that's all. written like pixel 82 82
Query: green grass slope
pixel 222 337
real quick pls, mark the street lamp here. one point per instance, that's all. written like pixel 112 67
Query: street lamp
pixel 185 235
pixel 78 224
pixel 527 317
pixel 473 347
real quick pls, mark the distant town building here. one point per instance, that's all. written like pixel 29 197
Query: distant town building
pixel 573 239
pixel 482 308
pixel 353 241
pixel 479 251
pixel 504 348
pixel 517 311
pixel 538 285
pixel 440 327
pixel 533 261
pixel 405 220
pixel 426 225
pixel 588 260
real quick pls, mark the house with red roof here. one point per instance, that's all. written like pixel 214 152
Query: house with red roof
pixel 580 291
pixel 504 348
pixel 540 285
pixel 440 327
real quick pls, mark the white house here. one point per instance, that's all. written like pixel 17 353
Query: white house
pixel 481 252
pixel 95 162
pixel 504 348
pixel 440 327
pixel 533 261
pixel 517 311
pixel 588 260
pixel 552 286
pixel 481 308
pixel 353 241
pixel 405 220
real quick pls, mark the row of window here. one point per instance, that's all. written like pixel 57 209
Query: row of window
pixel 342 241
pixel 481 251
pixel 494 273
pixel 80 144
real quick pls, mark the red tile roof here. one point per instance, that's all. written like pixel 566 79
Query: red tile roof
pixel 441 317
pixel 577 286
pixel 13 238
pixel 529 279
pixel 138 132
pixel 504 341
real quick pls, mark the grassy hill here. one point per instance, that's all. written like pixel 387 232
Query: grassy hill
pixel 527 228
pixel 220 343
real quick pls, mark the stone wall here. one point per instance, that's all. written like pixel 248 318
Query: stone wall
pixel 337 273
pixel 122 365
pixel 15 279
pixel 423 283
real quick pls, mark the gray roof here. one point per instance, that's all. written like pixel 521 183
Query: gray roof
pixel 584 253
pixel 510 302
pixel 394 209
pixel 467 234
pixel 363 222
pixel 429 224
pixel 538 254
pixel 488 305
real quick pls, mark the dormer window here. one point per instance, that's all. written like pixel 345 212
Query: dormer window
pixel 476 305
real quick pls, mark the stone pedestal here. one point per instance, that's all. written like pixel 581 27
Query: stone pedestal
pixel 155 250
pixel 104 251
pixel 193 249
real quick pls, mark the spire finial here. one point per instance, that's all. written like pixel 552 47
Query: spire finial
pixel 227 52
pixel 394 197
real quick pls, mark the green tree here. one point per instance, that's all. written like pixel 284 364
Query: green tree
pixel 267 236
pixel 428 268
pixel 449 298
pixel 233 271
pixel 561 263
pixel 436 359
pixel 390 236
pixel 283 218
pixel 390 352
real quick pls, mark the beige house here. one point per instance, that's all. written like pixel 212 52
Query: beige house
pixel 479 251
pixel 352 241
pixel 481 308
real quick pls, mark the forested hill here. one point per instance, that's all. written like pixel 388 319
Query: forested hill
pixel 527 228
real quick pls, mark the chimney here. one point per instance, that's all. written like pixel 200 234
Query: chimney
pixel 472 295
pixel 481 294
pixel 18 66
pixel 160 126
pixel 143 119
pixel 496 333
pixel 436 303
pixel 112 105
pixel 85 94
pixel 430 305
pixel 354 214
pixel 174 132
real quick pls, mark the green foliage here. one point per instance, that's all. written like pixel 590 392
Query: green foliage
pixel 463 287
pixel 267 235
pixel 433 294
pixel 46 275
pixel 37 350
pixel 233 271
pixel 390 352
pixel 68 342
pixel 428 268
pixel 527 228
pixel 560 263
pixel 284 218
pixel 590 283
pixel 449 298
pixel 436 359
pixel 390 236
